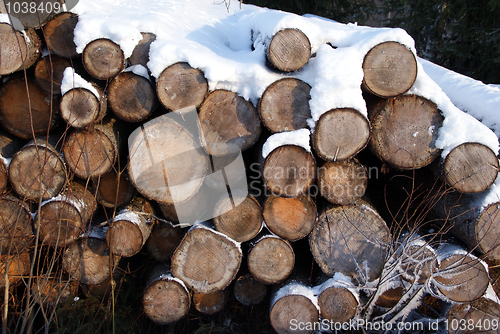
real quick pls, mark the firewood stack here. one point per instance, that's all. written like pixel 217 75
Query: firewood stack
pixel 105 171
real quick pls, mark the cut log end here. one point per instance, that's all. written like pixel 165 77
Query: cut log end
pixel 13 268
pixel 340 134
pixel 471 168
pixel 390 69
pixel 483 314
pixel 15 226
pixel 271 260
pixel 284 105
pixel 103 59
pixel 210 303
pixel 293 308
pixel 59 34
pixel 49 73
pixel 163 241
pixel 249 291
pixel 140 55
pixel 114 189
pixel 289 50
pixel 17 51
pixel 80 107
pixel 342 182
pixel 488 231
pixel 337 304
pixel 52 291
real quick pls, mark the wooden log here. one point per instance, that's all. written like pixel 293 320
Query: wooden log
pixel 352 240
pixel 180 86
pixel 140 55
pixel 205 260
pixel 405 130
pixel 19 50
pixel 16 232
pixel 478 316
pixel 340 134
pixel 25 109
pixel 230 165
pixel 13 268
pixel 166 299
pixel 291 305
pixel 131 97
pixel 80 107
pixel 289 171
pixel 9 145
pixel 391 297
pixel 289 50
pixel 249 291
pixel 88 260
pixel 59 34
pixel 284 105
pixel 114 189
pixel 63 218
pixel 271 259
pixel 241 222
pixel 130 228
pixel 93 151
pixel 229 124
pixel 210 303
pixel 390 69
pixel 51 291
pixel 338 300
pixel 460 277
pixel 342 182
pixel 37 171
pixel 418 261
pixel 165 162
pixel 163 240
pixel 103 59
pixel 290 218
pixel 470 167
pixel 49 73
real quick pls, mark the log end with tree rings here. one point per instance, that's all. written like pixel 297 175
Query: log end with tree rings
pixel 16 232
pixel 271 260
pixel 390 69
pixel 337 304
pixel 37 172
pixel 352 240
pixel 206 261
pixel 13 268
pixel 18 50
pixel 27 114
pixel 340 134
pixel 229 124
pixel 480 316
pixel 461 277
pixel 405 130
pixel 88 260
pixel 241 222
pixel 163 241
pixel 140 55
pixel 180 86
pixel 471 168
pixel 103 59
pixel 289 50
pixel 49 73
pixel 290 311
pixel 114 189
pixel 59 34
pixel 166 299
pixel 342 182
pixel 51 291
pixel 289 171
pixel 284 105
pixel 487 230
pixel 131 97
pixel 290 218
pixel 80 107
pixel 163 147
pixel 210 303
pixel 249 291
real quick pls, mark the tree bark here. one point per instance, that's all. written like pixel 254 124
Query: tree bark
pixel 80 107
pixel 103 59
pixel 289 50
pixel 229 124
pixel 26 110
pixel 290 218
pixel 405 130
pixel 284 105
pixel 131 97
pixel 37 172
pixel 340 134
pixel 471 168
pixel 249 291
pixel 289 171
pixel 206 261
pixel 390 69
pixel 19 51
pixel 49 73
pixel 59 34
pixel 16 232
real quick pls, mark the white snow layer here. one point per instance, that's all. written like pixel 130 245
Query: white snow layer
pixel 227 41
pixel 298 137
pixel 138 70
pixel 71 80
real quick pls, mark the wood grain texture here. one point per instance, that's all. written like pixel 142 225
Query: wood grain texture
pixel 16 232
pixel 293 307
pixel 18 51
pixel 210 303
pixel 483 313
pixel 114 189
pixel 337 304
pixel 140 55
pixel 103 59
pixel 289 50
pixel 49 73
pixel 59 34
pixel 163 240
pixel 342 182
pixel 249 291
pixel 271 260
pixel 80 107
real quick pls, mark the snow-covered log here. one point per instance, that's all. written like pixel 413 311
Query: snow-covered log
pixel 59 34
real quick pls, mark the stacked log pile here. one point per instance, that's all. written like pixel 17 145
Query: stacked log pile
pixel 70 184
